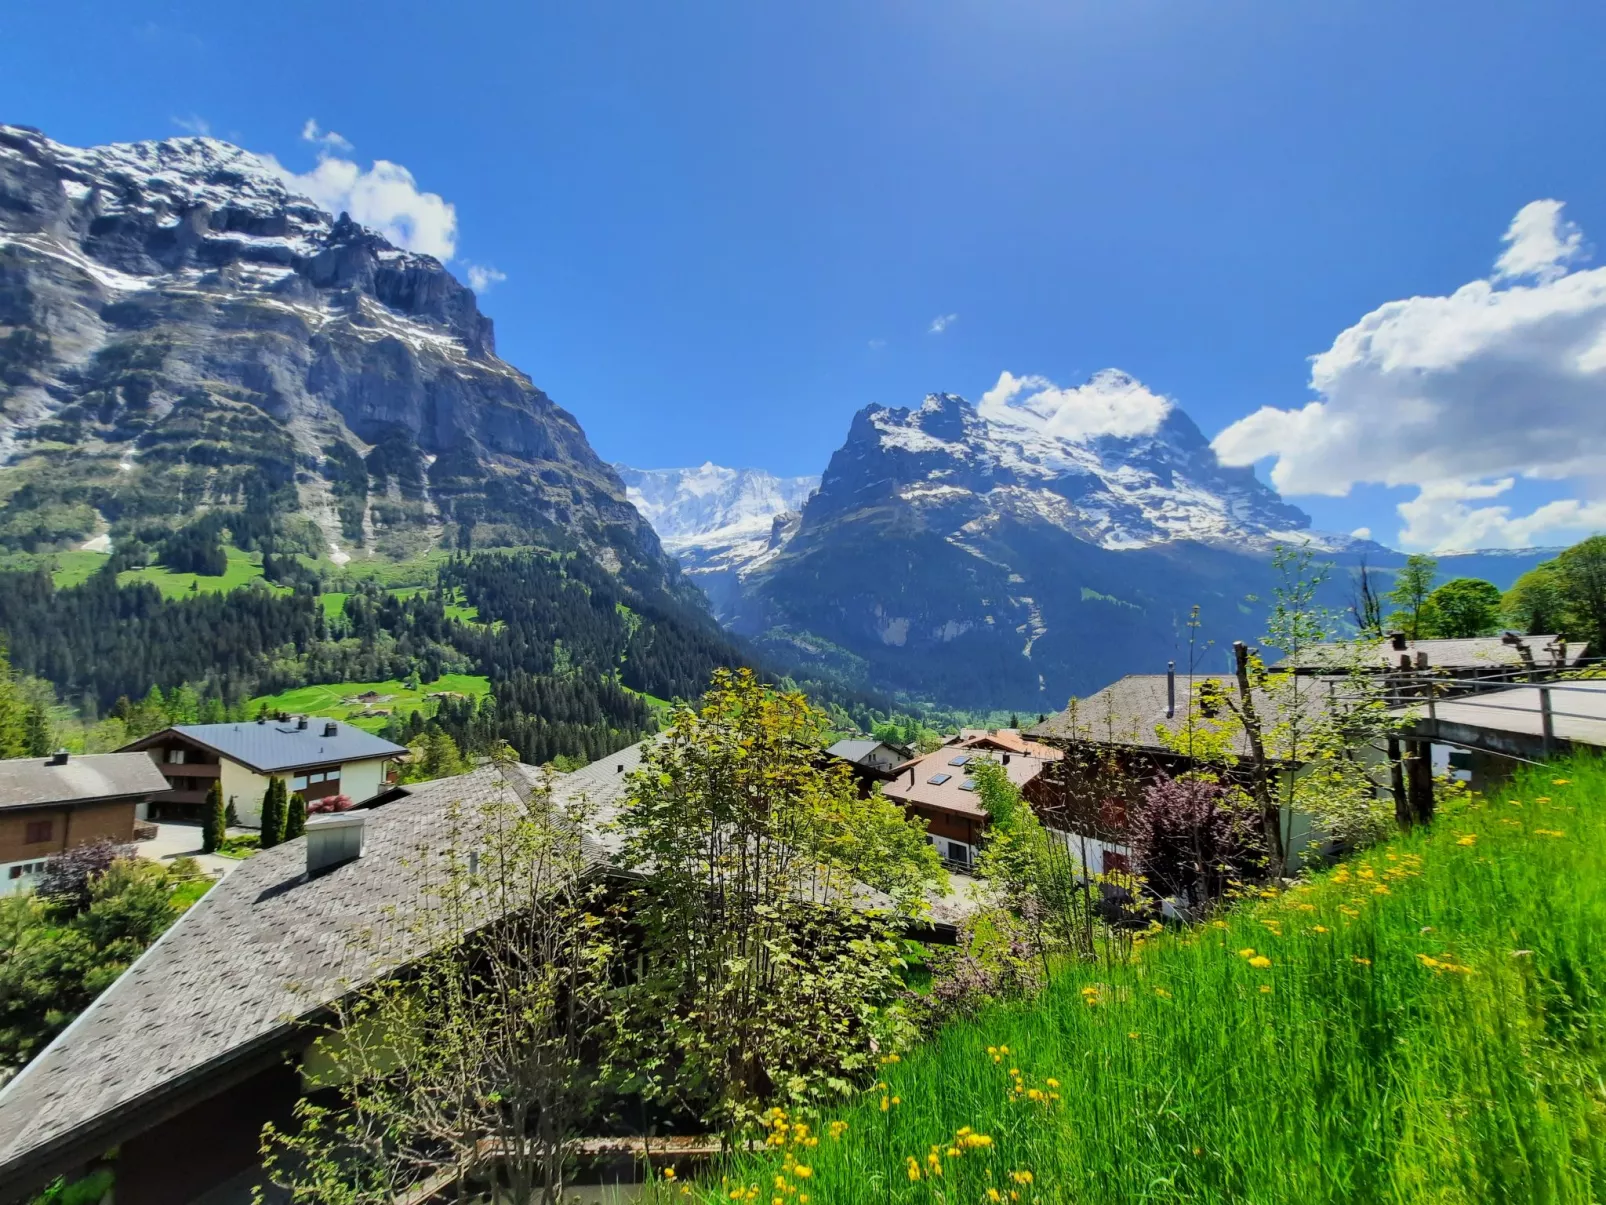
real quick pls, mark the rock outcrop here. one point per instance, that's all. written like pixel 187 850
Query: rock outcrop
pixel 180 332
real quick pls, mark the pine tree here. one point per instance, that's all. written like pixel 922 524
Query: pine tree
pixel 215 825
pixel 295 817
pixel 273 814
pixel 231 815
pixel 37 733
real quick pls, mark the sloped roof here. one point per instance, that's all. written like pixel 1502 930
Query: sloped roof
pixel 950 795
pixel 280 745
pixel 1470 653
pixel 261 950
pixel 1128 711
pixel 264 950
pixel 858 750
pixel 31 781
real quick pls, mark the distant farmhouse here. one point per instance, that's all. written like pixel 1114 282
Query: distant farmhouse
pixel 49 804
pixel 940 789
pixel 316 757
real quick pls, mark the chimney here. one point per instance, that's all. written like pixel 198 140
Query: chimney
pixel 1421 659
pixel 1006 759
pixel 331 728
pixel 58 758
pixel 262 719
pixel 301 723
pixel 1397 641
pixel 1170 689
pixel 333 840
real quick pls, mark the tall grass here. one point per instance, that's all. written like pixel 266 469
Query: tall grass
pixel 1428 1028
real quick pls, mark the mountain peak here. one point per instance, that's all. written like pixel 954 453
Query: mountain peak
pixel 1111 461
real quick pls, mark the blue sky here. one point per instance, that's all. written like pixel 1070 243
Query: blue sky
pixel 724 227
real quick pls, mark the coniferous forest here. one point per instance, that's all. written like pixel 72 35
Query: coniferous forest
pixel 570 650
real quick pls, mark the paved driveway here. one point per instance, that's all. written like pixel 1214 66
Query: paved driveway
pixel 184 840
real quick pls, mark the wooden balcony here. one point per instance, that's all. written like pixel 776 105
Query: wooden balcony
pixel 189 769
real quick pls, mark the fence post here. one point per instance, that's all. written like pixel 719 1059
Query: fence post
pixel 1548 724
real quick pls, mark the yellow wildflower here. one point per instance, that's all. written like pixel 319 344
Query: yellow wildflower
pixel 1559 782
pixel 1365 962
pixel 914 1169
pixel 1318 928
pixel 1052 1082
pixel 1247 952
pixel 994 1195
pixel 669 1173
pixel 1021 1177
pixel 1260 962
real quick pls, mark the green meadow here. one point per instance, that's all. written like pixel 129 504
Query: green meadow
pixel 332 700
pixel 1422 1023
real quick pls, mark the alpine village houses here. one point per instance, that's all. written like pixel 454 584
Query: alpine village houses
pixel 315 757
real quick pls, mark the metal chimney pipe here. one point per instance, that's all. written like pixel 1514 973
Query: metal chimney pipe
pixel 1170 689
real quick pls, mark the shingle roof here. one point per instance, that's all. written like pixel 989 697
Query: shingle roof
pixel 1128 712
pixel 30 781
pixel 281 745
pixel 264 947
pixel 1471 653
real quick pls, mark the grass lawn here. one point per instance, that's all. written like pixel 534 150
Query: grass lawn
pixel 242 568
pixel 76 567
pixel 330 700
pixel 1426 1022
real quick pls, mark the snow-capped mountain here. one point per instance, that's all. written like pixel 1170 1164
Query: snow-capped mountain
pixel 1040 543
pixel 183 331
pixel 1109 462
pixel 720 523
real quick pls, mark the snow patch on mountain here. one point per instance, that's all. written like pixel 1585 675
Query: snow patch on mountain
pixel 715 518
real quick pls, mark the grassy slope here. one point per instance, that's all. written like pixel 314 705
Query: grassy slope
pixel 328 700
pixel 1349 1069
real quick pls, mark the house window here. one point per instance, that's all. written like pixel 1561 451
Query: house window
pixel 39 830
pixel 176 756
pixel 27 869
pixel 937 780
pixel 298 783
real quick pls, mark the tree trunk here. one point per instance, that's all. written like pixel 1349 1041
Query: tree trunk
pixel 1271 820
pixel 1419 781
pixel 1402 804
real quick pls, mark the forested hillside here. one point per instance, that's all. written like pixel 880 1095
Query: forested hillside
pixel 571 651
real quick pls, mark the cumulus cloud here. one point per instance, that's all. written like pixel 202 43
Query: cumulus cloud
pixel 324 138
pixel 1539 242
pixel 482 276
pixel 1504 378
pixel 941 323
pixel 385 197
pixel 1111 403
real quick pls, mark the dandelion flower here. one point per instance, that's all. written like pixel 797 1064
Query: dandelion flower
pixel 1318 928
pixel 1469 839
pixel 1559 782
pixel 1265 989
pixel 1260 962
pixel 1247 952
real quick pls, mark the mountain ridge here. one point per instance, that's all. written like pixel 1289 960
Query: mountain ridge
pixel 180 333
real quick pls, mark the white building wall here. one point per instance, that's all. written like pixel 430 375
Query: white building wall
pixel 362 780
pixel 244 788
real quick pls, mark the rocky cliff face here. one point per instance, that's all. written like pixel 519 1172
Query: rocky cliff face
pixel 179 332
pixel 721 524
pixel 1006 555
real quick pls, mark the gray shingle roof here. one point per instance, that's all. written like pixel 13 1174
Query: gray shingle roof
pixel 30 781
pixel 1129 711
pixel 265 949
pixel 1470 653
pixel 279 745
pixel 261 949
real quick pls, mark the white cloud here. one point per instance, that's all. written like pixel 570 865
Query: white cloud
pixel 194 124
pixel 1111 403
pixel 941 323
pixel 482 276
pixel 877 344
pixel 1453 395
pixel 385 198
pixel 1362 533
pixel 1538 242
pixel 327 139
